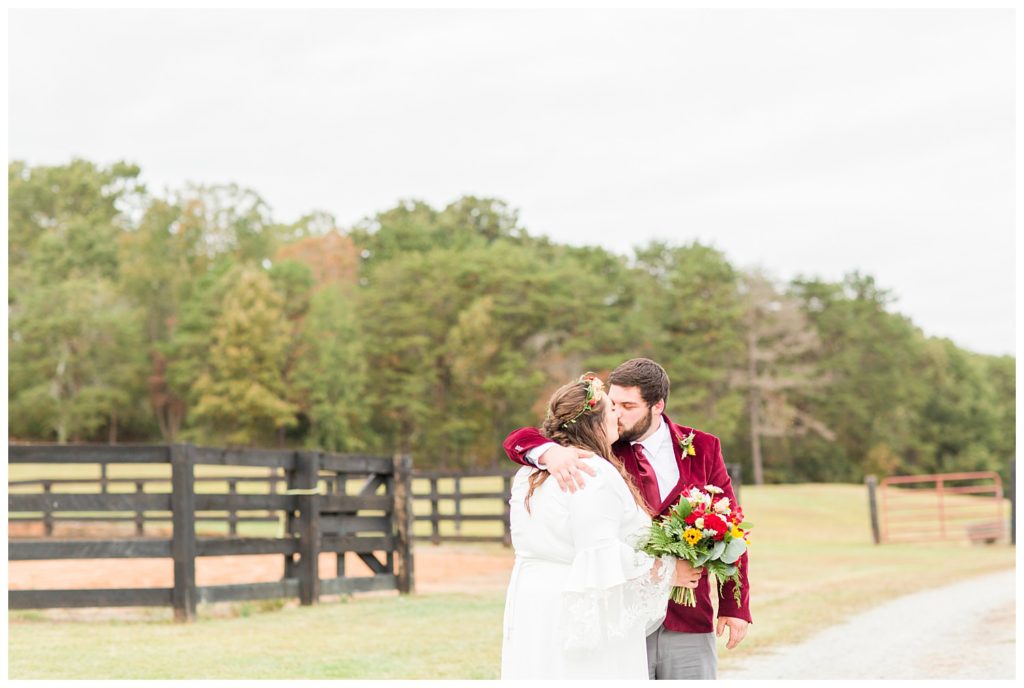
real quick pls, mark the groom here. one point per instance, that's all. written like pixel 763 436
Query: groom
pixel 650 447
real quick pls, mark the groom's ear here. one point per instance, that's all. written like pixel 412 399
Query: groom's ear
pixel 659 407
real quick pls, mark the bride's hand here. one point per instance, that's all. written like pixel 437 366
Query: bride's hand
pixel 566 466
pixel 686 576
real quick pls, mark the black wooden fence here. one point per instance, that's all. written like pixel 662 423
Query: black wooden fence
pixel 433 497
pixel 140 518
pixel 296 483
pixel 458 495
pixel 321 514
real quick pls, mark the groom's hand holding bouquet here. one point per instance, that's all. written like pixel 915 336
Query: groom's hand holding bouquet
pixel 705 530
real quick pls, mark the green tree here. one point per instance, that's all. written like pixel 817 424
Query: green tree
pixel 162 259
pixel 692 310
pixel 958 420
pixel 467 342
pixel 181 247
pixel 64 220
pixel 76 360
pixel 415 227
pixel 873 358
pixel 998 373
pixel 242 396
pixel 781 353
pixel 231 221
pixel 72 337
pixel 331 378
pixel 180 360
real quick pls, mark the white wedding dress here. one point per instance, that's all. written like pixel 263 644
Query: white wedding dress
pixel 581 599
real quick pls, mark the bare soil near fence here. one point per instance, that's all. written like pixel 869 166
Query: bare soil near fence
pixel 445 568
pixel 437 569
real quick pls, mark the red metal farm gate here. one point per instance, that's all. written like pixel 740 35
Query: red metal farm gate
pixel 947 506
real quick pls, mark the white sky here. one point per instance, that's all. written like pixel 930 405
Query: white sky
pixel 804 142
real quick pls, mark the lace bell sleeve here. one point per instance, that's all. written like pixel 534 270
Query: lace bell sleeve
pixel 612 589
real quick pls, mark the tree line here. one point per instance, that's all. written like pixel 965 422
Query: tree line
pixel 195 316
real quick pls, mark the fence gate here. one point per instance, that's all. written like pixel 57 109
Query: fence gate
pixel 320 515
pixel 947 506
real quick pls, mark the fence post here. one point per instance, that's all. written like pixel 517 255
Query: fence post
pixel 872 483
pixel 289 517
pixel 47 514
pixel 232 514
pixel 340 488
pixel 507 512
pixel 307 470
pixel 457 499
pixel 735 472
pixel 404 521
pixel 939 489
pixel 1013 502
pixel 183 541
pixel 140 516
pixel 435 516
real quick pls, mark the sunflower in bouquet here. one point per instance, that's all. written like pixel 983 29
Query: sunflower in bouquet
pixel 708 531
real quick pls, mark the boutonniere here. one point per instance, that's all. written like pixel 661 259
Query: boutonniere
pixel 687 444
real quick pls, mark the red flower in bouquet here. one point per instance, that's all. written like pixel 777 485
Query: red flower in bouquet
pixel 694 515
pixel 716 523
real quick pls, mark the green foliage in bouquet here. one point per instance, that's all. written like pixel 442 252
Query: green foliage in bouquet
pixel 677 534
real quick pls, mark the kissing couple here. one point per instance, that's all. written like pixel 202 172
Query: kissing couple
pixel 583 601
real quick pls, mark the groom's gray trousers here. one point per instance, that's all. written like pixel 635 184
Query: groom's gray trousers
pixel 673 655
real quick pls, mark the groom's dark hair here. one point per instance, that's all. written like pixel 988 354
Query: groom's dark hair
pixel 644 373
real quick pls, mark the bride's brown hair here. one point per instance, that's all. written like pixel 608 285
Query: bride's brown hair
pixel 574 421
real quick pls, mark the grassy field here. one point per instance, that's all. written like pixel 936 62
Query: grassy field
pixel 439 636
pixel 812 565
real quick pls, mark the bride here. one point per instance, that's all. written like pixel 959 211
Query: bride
pixel 581 599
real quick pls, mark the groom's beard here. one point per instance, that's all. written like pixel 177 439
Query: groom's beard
pixel 639 428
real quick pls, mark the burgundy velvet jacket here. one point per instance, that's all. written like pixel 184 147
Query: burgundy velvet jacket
pixel 706 468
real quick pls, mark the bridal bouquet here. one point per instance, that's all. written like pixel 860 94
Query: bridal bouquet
pixel 706 530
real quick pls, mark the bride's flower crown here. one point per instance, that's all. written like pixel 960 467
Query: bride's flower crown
pixel 595 388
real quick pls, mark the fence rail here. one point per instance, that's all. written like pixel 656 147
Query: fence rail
pixel 924 508
pixel 431 498
pixel 318 514
pixel 233 503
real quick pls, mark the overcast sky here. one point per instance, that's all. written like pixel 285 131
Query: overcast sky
pixel 803 142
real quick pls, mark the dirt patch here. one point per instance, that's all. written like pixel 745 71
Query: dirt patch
pixel 437 569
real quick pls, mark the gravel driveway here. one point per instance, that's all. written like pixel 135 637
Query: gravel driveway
pixel 961 631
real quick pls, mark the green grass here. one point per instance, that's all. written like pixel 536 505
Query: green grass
pixel 812 565
pixel 437 636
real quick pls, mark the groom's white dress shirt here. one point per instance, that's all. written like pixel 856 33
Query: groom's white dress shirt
pixel 661 455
